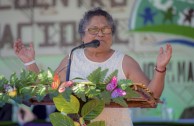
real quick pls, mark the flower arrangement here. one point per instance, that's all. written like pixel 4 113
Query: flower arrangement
pixel 83 99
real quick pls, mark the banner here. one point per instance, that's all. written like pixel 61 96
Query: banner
pixel 143 26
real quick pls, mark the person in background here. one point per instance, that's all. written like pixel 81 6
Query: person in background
pixel 97 24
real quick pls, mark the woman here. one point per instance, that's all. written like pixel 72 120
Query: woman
pixel 98 24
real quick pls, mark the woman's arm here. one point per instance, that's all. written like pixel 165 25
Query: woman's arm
pixel 156 84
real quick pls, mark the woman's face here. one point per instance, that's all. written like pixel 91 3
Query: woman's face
pixel 99 29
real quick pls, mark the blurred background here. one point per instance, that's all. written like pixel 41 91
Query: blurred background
pixel 143 26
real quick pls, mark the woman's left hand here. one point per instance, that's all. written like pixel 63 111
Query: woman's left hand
pixel 164 57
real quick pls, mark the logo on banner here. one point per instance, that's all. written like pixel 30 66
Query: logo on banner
pixel 171 21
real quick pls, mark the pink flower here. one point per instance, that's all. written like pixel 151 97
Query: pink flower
pixel 112 85
pixel 118 92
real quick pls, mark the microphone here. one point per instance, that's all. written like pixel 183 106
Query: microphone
pixel 93 44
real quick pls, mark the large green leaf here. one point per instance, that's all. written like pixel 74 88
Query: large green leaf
pixel 57 119
pixel 63 105
pixel 92 109
pixel 97 123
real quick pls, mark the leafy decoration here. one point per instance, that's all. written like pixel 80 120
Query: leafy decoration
pixel 26 86
pixel 93 93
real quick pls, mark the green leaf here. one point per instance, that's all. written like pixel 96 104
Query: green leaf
pixel 124 83
pixel 67 93
pixel 3 81
pixel 40 90
pixel 27 77
pixel 108 79
pixel 95 76
pixel 79 91
pixel 52 93
pixel 50 72
pixel 101 86
pixel 26 90
pixel 92 92
pixel 58 119
pixel 106 96
pixel 92 109
pixel 81 96
pixel 103 75
pixel 45 77
pixel 77 78
pixel 97 123
pixel 120 101
pixel 4 98
pixel 63 105
pixel 131 93
pixel 14 79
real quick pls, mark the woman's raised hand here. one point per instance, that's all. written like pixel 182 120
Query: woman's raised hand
pixel 26 54
pixel 164 57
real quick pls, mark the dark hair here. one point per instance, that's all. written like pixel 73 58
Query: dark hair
pixel 91 13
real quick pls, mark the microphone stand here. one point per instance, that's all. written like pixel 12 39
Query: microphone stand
pixel 69 64
pixel 94 44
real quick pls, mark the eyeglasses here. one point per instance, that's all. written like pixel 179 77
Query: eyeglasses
pixel 95 30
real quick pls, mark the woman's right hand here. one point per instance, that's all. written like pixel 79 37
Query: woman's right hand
pixel 26 54
pixel 65 85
